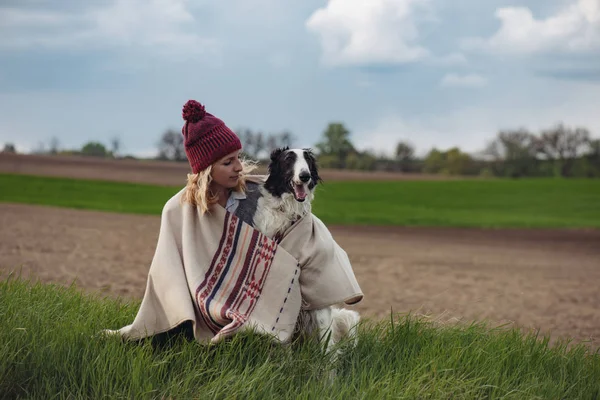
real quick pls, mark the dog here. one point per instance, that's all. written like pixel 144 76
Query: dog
pixel 286 196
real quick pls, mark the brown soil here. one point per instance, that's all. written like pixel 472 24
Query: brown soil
pixel 534 279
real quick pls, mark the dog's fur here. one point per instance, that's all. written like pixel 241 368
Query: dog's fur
pixel 286 196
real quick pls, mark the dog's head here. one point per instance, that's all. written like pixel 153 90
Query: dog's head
pixel 293 171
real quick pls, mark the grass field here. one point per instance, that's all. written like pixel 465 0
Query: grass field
pixel 529 203
pixel 50 349
pixel 540 203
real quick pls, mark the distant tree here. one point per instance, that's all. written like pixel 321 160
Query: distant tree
pixel 277 140
pixel 590 163
pixel 458 163
pixel 513 153
pixel 405 155
pixel 115 146
pixel 272 142
pixel 336 142
pixel 368 161
pixel 40 148
pixel 450 162
pixel 247 138
pixel 328 161
pixel 486 172
pixel 434 161
pixel 258 145
pixel 287 139
pixel 54 145
pixel 9 148
pixel 594 152
pixel 364 161
pixel 170 146
pixel 562 146
pixel 94 149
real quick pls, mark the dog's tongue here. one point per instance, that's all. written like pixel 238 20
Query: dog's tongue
pixel 300 192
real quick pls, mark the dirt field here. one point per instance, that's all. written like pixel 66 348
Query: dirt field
pixel 541 279
pixel 546 279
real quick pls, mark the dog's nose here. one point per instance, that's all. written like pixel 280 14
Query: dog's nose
pixel 304 176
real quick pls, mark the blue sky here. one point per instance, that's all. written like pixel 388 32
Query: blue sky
pixel 433 72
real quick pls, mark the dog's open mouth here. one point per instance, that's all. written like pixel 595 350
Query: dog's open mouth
pixel 299 192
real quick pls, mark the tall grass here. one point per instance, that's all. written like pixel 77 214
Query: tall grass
pixel 541 203
pixel 49 348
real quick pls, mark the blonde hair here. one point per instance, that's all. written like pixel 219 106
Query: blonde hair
pixel 197 190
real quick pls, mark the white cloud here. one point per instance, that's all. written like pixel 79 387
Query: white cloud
pixel 355 32
pixel 469 80
pixel 155 25
pixel 575 28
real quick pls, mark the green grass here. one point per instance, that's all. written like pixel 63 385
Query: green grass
pixel 528 203
pixel 49 349
pixel 85 194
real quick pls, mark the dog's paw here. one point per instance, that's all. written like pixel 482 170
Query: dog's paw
pixel 345 324
pixel 106 333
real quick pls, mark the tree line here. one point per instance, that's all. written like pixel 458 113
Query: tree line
pixel 92 148
pixel 557 151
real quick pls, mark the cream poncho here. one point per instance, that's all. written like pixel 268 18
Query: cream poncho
pixel 224 276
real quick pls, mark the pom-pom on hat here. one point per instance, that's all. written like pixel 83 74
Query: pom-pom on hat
pixel 206 138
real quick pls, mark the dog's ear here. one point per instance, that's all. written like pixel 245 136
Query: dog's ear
pixel 277 152
pixel 312 164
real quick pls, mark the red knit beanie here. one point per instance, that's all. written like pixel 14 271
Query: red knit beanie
pixel 206 138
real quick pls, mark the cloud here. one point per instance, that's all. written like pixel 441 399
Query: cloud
pixel 575 28
pixel 155 25
pixel 357 32
pixel 469 80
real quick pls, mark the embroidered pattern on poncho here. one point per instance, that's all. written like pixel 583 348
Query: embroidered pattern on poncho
pixel 235 278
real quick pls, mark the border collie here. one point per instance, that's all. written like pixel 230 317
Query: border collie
pixel 286 197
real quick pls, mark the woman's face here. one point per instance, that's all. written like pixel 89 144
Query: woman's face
pixel 226 171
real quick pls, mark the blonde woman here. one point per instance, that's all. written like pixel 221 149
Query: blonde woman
pixel 213 269
pixel 213 150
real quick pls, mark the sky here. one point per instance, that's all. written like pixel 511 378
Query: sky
pixel 435 73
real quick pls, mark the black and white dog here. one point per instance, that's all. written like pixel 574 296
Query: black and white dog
pixel 288 191
pixel 285 197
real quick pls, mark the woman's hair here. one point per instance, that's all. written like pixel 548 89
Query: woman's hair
pixel 197 191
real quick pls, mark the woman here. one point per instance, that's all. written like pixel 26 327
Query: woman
pixel 211 267
pixel 213 150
